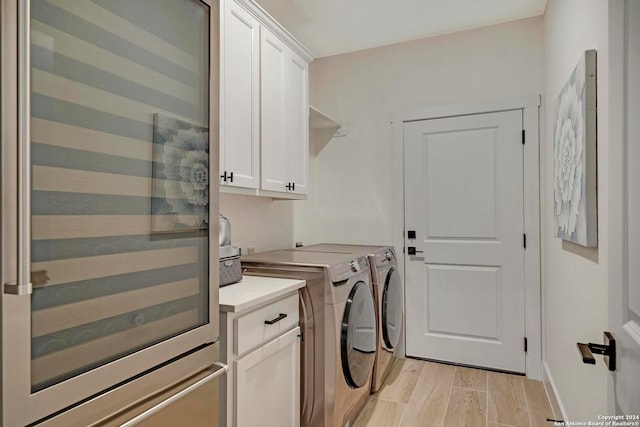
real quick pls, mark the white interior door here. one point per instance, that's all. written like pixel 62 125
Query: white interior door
pixel 464 200
pixel 624 286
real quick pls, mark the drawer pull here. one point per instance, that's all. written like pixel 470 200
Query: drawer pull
pixel 276 320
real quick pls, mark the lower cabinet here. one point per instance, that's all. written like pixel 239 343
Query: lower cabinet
pixel 268 383
pixel 261 345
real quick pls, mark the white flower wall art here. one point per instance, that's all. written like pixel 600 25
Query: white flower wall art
pixel 575 156
pixel 181 176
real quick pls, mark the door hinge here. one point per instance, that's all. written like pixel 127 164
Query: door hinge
pixel 525 344
pixel 524 240
pixel 522 136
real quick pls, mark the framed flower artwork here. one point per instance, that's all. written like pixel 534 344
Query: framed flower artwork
pixel 575 156
pixel 180 182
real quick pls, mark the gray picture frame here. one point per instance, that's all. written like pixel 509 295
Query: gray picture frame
pixel 575 156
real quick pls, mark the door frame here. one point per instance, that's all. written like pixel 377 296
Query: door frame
pixel 619 167
pixel 530 107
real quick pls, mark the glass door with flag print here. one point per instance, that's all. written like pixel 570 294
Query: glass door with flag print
pixel 113 151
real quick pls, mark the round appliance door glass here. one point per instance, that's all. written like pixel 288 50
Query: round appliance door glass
pixel 358 337
pixel 392 309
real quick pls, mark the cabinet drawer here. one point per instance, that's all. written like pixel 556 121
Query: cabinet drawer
pixel 251 329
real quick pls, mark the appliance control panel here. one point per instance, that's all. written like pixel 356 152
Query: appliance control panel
pixel 385 257
pixel 345 270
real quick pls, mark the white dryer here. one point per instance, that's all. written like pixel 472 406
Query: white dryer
pixel 388 292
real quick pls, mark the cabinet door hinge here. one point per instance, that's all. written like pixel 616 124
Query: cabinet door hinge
pixel 522 136
pixel 525 344
pixel 524 240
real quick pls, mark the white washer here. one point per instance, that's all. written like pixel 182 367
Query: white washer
pixel 388 292
pixel 338 323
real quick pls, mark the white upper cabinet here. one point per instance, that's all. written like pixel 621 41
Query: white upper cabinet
pixel 240 97
pixel 272 79
pixel 285 120
pixel 265 107
pixel 296 119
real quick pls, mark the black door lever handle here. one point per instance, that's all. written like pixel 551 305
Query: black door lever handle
pixel 587 355
pixel 411 250
pixel 608 350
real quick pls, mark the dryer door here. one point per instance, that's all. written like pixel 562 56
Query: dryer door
pixel 392 306
pixel 358 336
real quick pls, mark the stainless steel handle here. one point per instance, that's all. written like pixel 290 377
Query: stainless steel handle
pixel 305 397
pixel 303 307
pixel 23 286
pixel 160 406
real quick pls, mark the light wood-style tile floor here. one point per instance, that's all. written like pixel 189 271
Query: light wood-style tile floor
pixel 426 394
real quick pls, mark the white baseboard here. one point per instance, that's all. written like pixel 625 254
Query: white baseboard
pixel 552 394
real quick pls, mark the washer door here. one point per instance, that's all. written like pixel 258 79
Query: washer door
pixel 358 337
pixel 392 309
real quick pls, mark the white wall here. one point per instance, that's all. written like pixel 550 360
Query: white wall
pixel 575 280
pixel 261 222
pixel 351 178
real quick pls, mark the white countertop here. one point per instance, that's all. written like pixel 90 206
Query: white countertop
pixel 255 290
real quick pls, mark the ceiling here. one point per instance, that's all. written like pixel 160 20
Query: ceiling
pixel 330 27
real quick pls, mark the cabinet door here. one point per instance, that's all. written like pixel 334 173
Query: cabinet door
pixel 273 61
pixel 285 117
pixel 268 384
pixel 296 123
pixel 239 124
